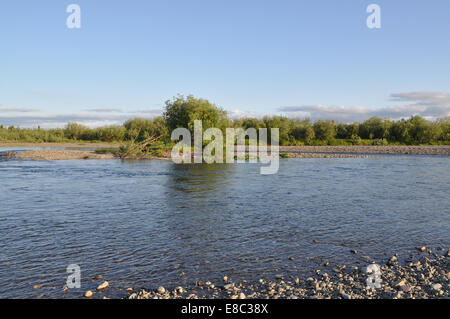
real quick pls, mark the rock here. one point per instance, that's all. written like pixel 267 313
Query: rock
pixel 393 260
pixel 129 290
pixel 99 277
pixel 36 287
pixel 279 277
pixel 354 251
pixel 228 286
pixel 180 290
pixel 436 286
pixel 88 294
pixel 398 295
pixel 345 296
pixel 225 279
pixel 422 249
pixel 291 258
pixel 405 288
pixel 161 290
pixel 241 295
pixel 401 283
pixel 103 286
pixel 297 281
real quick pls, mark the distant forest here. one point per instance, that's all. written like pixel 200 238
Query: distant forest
pixel 182 111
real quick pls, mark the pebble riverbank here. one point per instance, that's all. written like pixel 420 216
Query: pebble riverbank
pixel 424 277
pixel 361 149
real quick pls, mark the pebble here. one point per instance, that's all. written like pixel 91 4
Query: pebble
pixel 161 290
pixel 103 286
pixel 405 288
pixel 88 294
pixel 345 296
pixel 420 280
pixel 436 286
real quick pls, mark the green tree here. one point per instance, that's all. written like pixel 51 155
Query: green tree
pixel 374 128
pixel 141 129
pixel 324 130
pixel 182 112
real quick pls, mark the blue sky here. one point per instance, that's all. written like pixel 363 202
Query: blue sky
pixel 292 57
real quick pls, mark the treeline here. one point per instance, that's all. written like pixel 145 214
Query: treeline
pixel 181 112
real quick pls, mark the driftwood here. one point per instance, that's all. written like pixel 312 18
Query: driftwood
pixel 139 146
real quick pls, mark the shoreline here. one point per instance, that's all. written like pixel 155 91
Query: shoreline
pixel 361 149
pixel 293 151
pixel 422 277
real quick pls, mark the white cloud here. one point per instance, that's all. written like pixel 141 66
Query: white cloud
pixel 430 105
pixel 17 110
pixel 91 119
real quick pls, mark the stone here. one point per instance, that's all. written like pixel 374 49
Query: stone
pixel 346 296
pixel 241 295
pixel 225 279
pixel 129 290
pixel 88 294
pixel 401 283
pixel 436 286
pixel 405 288
pixel 103 286
pixel 161 290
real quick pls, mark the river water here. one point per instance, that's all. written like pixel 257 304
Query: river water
pixel 144 223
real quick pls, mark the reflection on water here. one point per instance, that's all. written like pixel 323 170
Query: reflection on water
pixel 143 223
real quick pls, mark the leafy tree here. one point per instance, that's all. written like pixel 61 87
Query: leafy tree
pixel 324 130
pixel 141 129
pixel 374 128
pixel 182 112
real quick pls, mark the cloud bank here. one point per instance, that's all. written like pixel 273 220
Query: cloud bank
pixel 430 105
pixel 91 118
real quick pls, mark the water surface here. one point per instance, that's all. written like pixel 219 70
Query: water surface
pixel 143 223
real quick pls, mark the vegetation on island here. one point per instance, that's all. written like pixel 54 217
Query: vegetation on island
pixel 182 111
